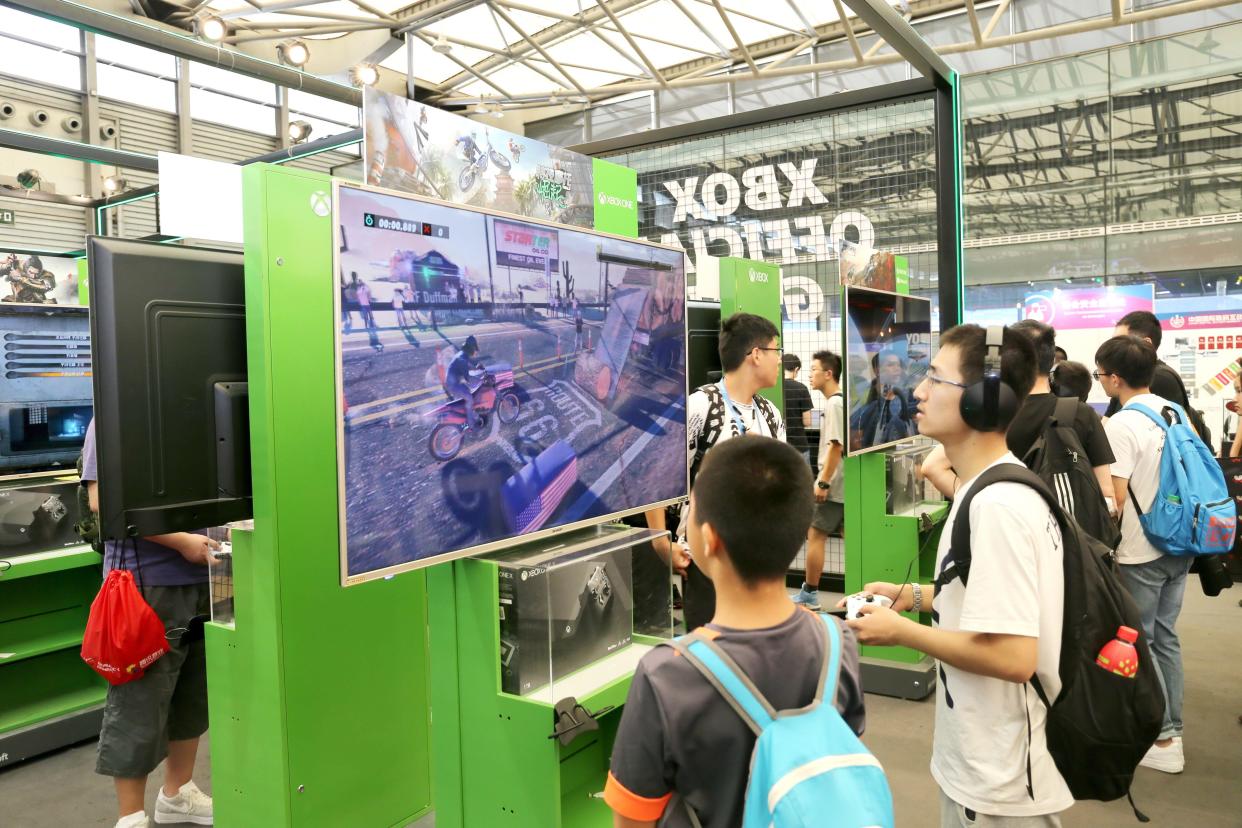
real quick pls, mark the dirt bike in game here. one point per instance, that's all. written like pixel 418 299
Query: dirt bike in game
pixel 475 169
pixel 494 392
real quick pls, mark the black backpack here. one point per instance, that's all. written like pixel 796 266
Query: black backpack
pixel 1060 460
pixel 87 527
pixel 718 420
pixel 1100 725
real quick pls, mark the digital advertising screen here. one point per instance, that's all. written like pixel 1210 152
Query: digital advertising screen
pixel 499 378
pixel 887 350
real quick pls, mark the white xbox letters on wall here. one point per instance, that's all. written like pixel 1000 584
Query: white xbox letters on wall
pixel 762 188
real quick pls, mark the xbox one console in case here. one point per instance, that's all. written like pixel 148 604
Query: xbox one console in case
pixel 559 615
pixel 37 515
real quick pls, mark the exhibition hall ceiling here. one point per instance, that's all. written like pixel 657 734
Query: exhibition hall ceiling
pixel 506 53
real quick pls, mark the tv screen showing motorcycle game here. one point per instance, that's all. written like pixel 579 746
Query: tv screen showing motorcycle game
pixel 499 378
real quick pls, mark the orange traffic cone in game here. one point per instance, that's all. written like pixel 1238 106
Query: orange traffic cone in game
pixel 521 355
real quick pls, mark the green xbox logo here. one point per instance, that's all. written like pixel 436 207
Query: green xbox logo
pixel 606 200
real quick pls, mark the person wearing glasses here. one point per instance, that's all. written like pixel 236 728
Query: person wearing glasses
pixel 990 755
pixel 750 354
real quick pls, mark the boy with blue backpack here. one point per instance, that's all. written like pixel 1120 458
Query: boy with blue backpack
pixel 1174 505
pixel 753 719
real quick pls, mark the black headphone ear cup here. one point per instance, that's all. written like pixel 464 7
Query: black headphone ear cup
pixel 1006 404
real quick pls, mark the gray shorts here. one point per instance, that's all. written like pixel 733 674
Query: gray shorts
pixel 169 703
pixel 953 815
pixel 829 517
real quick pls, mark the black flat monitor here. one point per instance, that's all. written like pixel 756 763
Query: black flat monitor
pixel 887 348
pixel 168 334
pixel 702 343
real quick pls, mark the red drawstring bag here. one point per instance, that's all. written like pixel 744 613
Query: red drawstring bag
pixel 124 636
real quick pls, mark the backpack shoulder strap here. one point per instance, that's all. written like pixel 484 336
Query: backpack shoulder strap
pixel 1152 415
pixel 728 679
pixel 959 541
pixel 769 413
pixel 829 678
pixel 1066 411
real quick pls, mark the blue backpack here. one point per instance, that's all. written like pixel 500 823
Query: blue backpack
pixel 1192 513
pixel 808 768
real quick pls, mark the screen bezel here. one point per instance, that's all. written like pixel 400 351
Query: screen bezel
pixel 846 394
pixel 489 546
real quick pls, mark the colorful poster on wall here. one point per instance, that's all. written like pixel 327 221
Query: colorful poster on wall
pixel 419 149
pixel 863 267
pixel 1201 320
pixel 27 279
pixel 1082 308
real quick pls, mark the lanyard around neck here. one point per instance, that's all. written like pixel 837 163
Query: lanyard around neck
pixel 737 418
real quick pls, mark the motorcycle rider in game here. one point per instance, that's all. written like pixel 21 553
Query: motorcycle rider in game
pixel 457 377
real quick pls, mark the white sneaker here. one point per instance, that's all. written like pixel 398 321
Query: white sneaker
pixel 138 819
pixel 189 805
pixel 1169 759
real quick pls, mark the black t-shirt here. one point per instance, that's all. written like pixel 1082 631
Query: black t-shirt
pixel 1165 383
pixel 1033 417
pixel 797 401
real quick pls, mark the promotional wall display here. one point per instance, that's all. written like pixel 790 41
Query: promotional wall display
pixel 887 349
pixel 499 377
pixel 559 616
pixel 45 389
pixel 30 279
pixel 419 149
pixel 863 267
pixel 1087 307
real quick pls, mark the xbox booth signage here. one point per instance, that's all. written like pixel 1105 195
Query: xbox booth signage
pixel 419 149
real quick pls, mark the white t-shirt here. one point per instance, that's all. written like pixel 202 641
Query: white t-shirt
pixel 1137 445
pixel 1017 587
pixel 698 409
pixel 832 430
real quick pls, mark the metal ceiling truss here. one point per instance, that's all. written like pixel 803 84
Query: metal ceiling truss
pixel 605 20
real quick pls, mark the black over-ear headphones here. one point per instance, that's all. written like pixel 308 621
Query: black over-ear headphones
pixel 990 401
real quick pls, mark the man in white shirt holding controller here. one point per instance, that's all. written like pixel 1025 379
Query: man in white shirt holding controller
pixel 989 752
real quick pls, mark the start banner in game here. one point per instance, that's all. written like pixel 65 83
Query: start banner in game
pixel 525 245
pixel 1079 309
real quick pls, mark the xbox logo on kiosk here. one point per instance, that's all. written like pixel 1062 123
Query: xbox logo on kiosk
pixel 320 204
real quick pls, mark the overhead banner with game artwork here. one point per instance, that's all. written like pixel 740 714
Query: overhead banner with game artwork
pixel 419 149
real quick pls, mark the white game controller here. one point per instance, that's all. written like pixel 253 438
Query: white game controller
pixel 855 602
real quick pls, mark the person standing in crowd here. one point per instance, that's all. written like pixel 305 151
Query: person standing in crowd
pixel 161 716
pixel 797 405
pixel 1235 450
pixel 1125 367
pixel 1040 404
pixel 398 306
pixel 989 749
pixel 829 514
pixel 749 511
pixel 363 292
pixel 1070 379
pixel 1165 382
pixel 750 355
pixel 1061 356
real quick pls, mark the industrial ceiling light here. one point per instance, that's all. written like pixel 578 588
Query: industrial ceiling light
pixel 114 184
pixel 498 111
pixel 299 131
pixel 364 74
pixel 442 46
pixel 210 28
pixel 293 53
pixel 29 179
pixel 481 107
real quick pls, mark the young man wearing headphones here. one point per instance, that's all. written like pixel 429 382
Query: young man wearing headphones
pixel 992 635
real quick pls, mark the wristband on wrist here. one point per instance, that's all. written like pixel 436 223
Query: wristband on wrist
pixel 918 597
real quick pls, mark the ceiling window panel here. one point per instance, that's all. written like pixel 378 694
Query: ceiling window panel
pixel 30 27
pixel 120 53
pixel 24 60
pixel 232 83
pixel 120 84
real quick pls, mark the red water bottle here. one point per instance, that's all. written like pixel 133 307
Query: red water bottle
pixel 1119 655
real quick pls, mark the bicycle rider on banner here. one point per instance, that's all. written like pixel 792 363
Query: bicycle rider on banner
pixel 470 147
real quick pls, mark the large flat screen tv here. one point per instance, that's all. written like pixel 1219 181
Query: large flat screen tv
pixel 168 325
pixel 578 382
pixel 887 348
pixel 45 387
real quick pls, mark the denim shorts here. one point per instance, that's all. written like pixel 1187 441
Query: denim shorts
pixel 169 703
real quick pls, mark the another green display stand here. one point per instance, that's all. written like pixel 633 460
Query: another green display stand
pixel 748 286
pixel 48 696
pixel 881 547
pixel 319 700
pixel 495 763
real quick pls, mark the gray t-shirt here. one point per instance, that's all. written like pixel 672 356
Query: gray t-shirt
pixel 679 735
pixel 160 565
